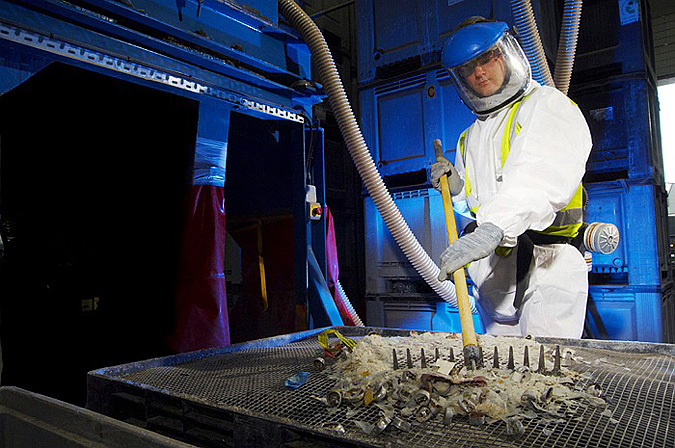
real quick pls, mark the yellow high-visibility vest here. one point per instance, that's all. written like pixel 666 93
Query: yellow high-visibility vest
pixel 568 220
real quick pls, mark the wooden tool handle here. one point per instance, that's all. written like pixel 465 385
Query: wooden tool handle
pixel 463 303
pixel 438 148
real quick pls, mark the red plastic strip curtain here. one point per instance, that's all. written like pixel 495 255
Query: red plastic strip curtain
pixel 202 320
pixel 201 300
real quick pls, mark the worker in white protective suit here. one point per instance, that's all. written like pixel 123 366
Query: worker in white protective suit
pixel 519 168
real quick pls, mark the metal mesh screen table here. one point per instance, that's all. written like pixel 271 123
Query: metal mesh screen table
pixel 235 396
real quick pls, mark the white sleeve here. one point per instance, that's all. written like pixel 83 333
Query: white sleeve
pixel 546 162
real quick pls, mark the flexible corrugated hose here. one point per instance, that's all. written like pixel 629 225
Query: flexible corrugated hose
pixel 567 44
pixel 358 150
pixel 528 36
pixel 352 312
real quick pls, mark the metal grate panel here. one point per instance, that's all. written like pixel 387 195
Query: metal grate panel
pixel 640 391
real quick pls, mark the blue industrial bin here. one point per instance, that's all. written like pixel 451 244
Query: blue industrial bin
pixel 627 285
pixel 622 114
pixel 400 120
pixel 614 38
pixel 629 313
pixel 410 36
pixel 387 269
pixel 633 207
pixel 415 312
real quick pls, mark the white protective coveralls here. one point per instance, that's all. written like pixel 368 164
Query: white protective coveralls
pixel 544 167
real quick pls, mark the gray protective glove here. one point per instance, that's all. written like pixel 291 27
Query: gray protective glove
pixel 438 169
pixel 476 245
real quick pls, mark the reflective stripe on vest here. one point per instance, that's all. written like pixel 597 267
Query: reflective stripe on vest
pixel 568 220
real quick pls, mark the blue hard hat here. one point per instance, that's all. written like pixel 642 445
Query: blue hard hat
pixel 471 41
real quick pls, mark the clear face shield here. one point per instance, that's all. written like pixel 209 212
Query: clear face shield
pixel 493 79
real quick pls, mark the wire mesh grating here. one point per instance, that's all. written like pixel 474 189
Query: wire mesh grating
pixel 639 388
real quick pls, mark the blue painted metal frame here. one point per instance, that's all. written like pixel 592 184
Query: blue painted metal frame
pixel 255 13
pixel 94 32
pixel 121 60
pixel 111 27
pixel 266 48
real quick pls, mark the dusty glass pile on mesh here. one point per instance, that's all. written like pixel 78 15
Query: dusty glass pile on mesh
pixel 431 382
pixel 601 399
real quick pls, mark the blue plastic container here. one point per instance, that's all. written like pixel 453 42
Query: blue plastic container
pixel 622 115
pixel 614 38
pixel 627 284
pixel 400 120
pixel 635 209
pixel 416 313
pixel 629 313
pixel 411 35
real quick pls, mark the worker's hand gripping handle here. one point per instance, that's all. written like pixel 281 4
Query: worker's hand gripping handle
pixel 471 351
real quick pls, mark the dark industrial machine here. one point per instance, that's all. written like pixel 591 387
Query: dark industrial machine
pixel 136 135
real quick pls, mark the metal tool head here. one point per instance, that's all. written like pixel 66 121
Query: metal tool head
pixel 472 356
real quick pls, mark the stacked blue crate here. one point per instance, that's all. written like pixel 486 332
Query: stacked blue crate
pixel 615 86
pixel 410 35
pixel 400 119
pixel 626 285
pixel 615 38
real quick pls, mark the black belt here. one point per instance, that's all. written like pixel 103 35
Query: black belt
pixel 525 252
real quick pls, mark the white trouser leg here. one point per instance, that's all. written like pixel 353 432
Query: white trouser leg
pixel 497 328
pixel 555 301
